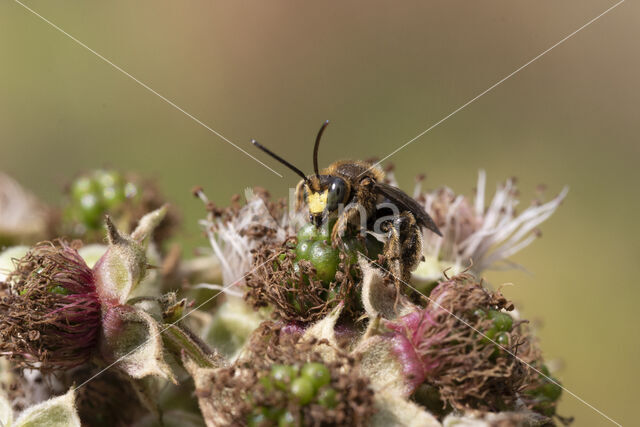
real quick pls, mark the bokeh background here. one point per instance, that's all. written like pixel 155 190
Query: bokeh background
pixel 382 72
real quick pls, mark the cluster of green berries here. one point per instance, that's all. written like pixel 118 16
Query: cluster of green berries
pixel 314 245
pixel 307 384
pixel 500 327
pixel 96 193
pixel 547 394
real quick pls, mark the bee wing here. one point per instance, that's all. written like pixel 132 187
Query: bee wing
pixel 407 203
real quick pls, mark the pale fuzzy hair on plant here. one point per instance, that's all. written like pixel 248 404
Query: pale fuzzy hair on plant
pixel 486 235
pixel 56 412
pixel 230 238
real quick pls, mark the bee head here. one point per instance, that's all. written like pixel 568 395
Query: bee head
pixel 323 195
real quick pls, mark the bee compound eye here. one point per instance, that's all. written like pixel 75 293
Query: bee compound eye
pixel 337 190
pixel 338 187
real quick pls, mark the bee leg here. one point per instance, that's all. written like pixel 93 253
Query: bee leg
pixel 411 240
pixel 360 208
pixel 403 249
pixel 350 213
pixel 392 254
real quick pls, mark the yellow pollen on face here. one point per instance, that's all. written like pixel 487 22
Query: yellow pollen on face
pixel 317 202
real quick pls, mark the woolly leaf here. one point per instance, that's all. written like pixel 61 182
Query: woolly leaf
pixel 57 412
pixel 325 330
pixel 523 417
pixel 386 367
pixel 393 410
pixel 210 403
pixel 6 413
pixel 133 338
pixel 379 296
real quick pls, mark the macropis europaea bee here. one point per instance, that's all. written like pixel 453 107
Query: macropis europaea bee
pixel 355 195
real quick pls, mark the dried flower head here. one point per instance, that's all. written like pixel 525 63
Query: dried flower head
pixel 281 376
pixel 293 287
pixel 486 235
pixel 454 341
pixel 236 231
pixel 49 309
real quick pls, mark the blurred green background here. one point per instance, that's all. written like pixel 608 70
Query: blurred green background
pixel 382 72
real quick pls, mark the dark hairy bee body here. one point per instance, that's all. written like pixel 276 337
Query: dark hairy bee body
pixel 355 195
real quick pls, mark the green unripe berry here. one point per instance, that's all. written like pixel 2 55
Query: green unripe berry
pixel 489 335
pixel 257 418
pixel 283 375
pixel 273 413
pixel 107 178
pixel 302 389
pixel 267 384
pixel 545 408
pixel 286 420
pixel 551 391
pixel 327 397
pixel 324 233
pixel 83 186
pixel 307 232
pixel 545 371
pixel 317 373
pixel 262 415
pixel 325 259
pixel 502 321
pixel 303 250
pixel 479 313
pixel 57 289
pixel 113 196
pixel 503 339
pixel 90 210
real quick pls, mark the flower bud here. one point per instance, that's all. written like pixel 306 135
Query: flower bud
pixel 124 264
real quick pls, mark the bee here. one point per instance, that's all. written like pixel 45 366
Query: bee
pixel 355 195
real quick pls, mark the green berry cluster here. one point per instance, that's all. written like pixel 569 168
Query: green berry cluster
pixel 546 395
pixel 500 326
pixel 96 193
pixel 304 385
pixel 314 245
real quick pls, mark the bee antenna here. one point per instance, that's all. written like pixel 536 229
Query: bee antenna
pixel 280 159
pixel 316 146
